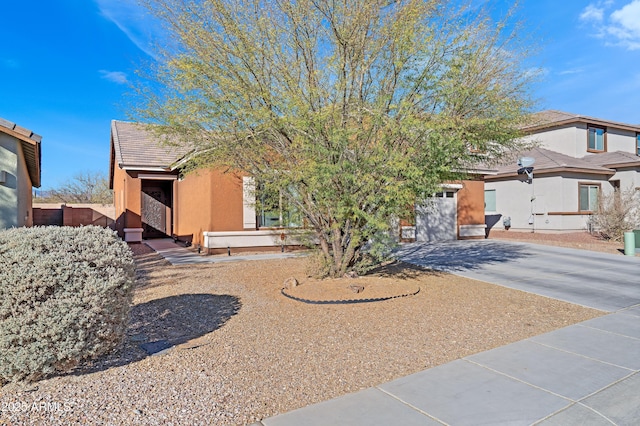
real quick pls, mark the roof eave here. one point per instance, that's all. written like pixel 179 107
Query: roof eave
pixel 622 165
pixel 142 168
pixel 31 149
pixel 580 119
pixel 557 170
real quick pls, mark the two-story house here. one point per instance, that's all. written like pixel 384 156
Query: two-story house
pixel 576 159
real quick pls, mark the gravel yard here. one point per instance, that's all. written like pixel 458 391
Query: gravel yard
pixel 243 352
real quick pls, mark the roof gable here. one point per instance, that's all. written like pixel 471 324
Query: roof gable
pixel 136 148
pixel 553 118
pixel 30 147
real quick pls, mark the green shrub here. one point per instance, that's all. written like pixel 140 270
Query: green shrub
pixel 65 295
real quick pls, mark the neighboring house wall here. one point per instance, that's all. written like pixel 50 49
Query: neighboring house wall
pixel 572 140
pixel 15 191
pixel 556 203
pixel 563 164
pixel 565 140
pixel 620 140
pixel 25 197
pixel 629 178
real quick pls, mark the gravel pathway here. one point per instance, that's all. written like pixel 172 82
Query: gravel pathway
pixel 242 352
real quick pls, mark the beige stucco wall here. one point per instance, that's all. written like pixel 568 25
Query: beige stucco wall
pixel 15 192
pixel 621 140
pixel 629 178
pixel 25 201
pixel 555 205
pixel 565 140
pixel 572 140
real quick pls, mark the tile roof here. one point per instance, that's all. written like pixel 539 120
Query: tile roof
pixel 548 161
pixel 136 146
pixel 30 147
pixel 613 159
pixel 552 118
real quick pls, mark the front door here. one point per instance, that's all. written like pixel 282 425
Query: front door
pixel 156 209
pixel 436 218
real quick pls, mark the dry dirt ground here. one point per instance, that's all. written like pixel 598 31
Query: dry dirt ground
pixel 242 351
pixel 579 240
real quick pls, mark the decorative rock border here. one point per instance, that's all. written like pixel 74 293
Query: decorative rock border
pixel 347 301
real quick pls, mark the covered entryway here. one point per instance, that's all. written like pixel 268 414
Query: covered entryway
pixel 156 206
pixel 436 218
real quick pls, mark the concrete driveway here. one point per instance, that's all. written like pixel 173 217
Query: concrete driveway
pixel 602 281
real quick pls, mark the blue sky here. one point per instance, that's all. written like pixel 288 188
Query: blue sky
pixel 65 68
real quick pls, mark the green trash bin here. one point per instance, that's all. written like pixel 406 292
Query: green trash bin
pixel 637 234
pixel 629 244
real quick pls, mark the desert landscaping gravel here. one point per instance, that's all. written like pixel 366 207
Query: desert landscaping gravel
pixel 239 351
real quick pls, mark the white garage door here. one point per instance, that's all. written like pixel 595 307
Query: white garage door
pixel 436 218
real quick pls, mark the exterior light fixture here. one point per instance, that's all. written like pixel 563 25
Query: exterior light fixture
pixel 526 167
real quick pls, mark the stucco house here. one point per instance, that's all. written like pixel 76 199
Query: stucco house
pixel 209 209
pixel 217 211
pixel 577 158
pixel 20 161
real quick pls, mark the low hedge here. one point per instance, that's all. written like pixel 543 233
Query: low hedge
pixel 65 295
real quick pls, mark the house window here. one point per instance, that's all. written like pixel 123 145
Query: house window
pixel 588 197
pixel 275 212
pixel 596 139
pixel 490 200
pixel 638 143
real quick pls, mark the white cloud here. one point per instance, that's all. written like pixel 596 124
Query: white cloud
pixel 134 21
pixel 625 25
pixel 571 71
pixel 620 28
pixel 114 76
pixel 592 13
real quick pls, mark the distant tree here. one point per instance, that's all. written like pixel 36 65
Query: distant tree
pixel 350 110
pixel 84 187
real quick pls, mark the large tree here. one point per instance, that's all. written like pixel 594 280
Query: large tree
pixel 351 109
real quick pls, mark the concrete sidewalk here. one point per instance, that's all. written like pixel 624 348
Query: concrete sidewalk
pixel 584 374
pixel 179 255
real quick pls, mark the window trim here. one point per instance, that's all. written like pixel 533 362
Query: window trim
pixel 581 184
pixel 604 138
